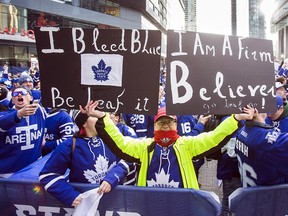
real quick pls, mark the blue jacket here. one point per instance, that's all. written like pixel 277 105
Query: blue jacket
pixel 187 126
pixel 262 153
pixel 20 139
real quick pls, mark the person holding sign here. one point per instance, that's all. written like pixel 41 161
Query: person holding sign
pixel 262 153
pixel 89 161
pixel 166 159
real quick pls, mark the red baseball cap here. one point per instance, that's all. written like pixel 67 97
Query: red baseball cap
pixel 162 112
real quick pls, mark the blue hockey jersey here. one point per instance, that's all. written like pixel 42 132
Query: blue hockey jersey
pixel 90 162
pixel 187 126
pixel 58 127
pixel 143 125
pixel 20 139
pixel 262 154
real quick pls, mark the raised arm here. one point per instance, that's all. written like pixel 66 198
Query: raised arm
pixel 91 109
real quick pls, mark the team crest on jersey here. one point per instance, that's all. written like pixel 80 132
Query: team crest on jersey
pixel 101 168
pixel 272 136
pixel 96 142
pixel 162 180
pixel 101 72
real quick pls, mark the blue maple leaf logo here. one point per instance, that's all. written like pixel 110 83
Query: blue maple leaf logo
pixel 101 72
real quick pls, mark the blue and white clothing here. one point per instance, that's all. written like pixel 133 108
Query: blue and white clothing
pixel 187 126
pixel 91 161
pixel 20 139
pixel 6 81
pixel 59 126
pixel 282 122
pixel 126 130
pixel 162 102
pixel 262 154
pixel 282 72
pixel 5 102
pixel 227 166
pixel 36 94
pixel 143 125
pixel 164 162
pixel 36 77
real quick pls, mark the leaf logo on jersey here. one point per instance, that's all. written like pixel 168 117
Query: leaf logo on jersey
pixel 101 72
pixel 101 168
pixel 272 136
pixel 162 180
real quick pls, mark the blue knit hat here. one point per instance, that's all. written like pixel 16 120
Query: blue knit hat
pixel 25 78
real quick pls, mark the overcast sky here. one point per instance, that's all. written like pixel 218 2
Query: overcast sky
pixel 215 16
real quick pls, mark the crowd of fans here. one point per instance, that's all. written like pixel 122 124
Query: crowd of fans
pixel 250 147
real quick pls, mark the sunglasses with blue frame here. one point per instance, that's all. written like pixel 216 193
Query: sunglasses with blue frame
pixel 23 93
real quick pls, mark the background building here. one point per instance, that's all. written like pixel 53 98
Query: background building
pixel 232 17
pixel 250 20
pixel 190 15
pixel 20 17
pixel 279 23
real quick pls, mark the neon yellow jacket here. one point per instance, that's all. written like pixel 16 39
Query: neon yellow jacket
pixel 186 147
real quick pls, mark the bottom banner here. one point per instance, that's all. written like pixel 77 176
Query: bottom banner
pixel 29 198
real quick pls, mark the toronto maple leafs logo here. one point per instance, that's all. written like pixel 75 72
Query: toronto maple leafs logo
pixel 162 180
pixel 101 168
pixel 101 72
pixel 272 136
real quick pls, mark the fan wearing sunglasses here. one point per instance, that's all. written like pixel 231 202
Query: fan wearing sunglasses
pixel 21 132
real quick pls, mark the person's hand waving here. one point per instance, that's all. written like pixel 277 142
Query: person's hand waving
pixel 91 109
